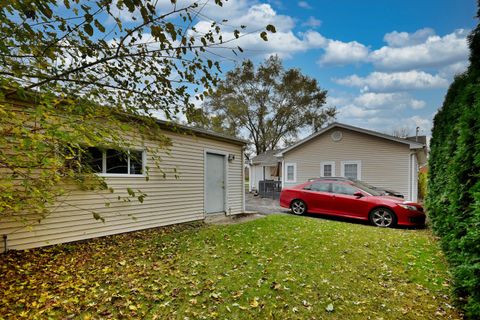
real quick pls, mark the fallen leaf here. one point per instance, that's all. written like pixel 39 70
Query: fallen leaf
pixel 329 308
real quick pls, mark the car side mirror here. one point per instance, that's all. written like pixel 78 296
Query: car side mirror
pixel 358 194
pixel 307 188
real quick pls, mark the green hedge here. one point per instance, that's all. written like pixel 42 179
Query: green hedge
pixel 453 199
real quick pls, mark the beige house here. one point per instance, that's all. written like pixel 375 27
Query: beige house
pixel 343 150
pixel 207 180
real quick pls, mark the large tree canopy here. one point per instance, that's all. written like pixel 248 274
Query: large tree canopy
pixel 75 64
pixel 269 102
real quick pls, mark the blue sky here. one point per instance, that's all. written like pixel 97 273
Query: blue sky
pixel 386 64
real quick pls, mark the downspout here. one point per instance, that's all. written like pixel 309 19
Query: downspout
pixel 243 178
pixel 410 176
pixel 5 243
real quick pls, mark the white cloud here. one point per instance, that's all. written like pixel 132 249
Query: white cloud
pixel 313 39
pixel 424 124
pixel 397 101
pixel 401 39
pixel 396 81
pixel 422 49
pixel 255 17
pixel 312 22
pixel 452 70
pixel 382 112
pixel 258 16
pixel 417 104
pixel 352 110
pixel 304 5
pixel 339 53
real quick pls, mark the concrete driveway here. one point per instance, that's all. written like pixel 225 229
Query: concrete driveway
pixel 263 205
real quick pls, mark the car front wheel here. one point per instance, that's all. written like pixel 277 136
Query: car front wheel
pixel 383 217
pixel 298 207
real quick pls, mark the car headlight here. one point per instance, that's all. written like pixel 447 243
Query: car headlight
pixel 408 207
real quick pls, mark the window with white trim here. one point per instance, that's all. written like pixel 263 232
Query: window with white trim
pixel 327 169
pixel 352 169
pixel 115 162
pixel 290 172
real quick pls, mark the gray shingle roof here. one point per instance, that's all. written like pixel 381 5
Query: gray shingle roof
pixel 267 158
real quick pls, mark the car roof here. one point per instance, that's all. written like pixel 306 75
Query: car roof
pixel 332 179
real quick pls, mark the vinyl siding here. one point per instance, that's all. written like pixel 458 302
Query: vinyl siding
pixel 256 175
pixel 169 200
pixel 384 163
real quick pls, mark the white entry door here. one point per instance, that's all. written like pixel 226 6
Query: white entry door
pixel 215 183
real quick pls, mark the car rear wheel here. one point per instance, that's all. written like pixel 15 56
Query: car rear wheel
pixel 298 207
pixel 383 217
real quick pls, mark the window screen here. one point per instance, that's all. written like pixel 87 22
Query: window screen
pixel 327 170
pixel 351 171
pixel 290 173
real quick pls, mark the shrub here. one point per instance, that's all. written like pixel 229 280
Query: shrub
pixel 453 199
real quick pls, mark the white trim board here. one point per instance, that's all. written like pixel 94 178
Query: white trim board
pixel 294 165
pixel 322 172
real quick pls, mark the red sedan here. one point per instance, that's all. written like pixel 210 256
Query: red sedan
pixel 352 200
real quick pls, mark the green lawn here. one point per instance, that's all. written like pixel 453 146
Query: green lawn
pixel 281 267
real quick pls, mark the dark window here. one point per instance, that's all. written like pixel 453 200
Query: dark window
pixel 320 187
pixel 136 162
pixel 117 162
pixel 327 170
pixel 94 159
pixel 343 189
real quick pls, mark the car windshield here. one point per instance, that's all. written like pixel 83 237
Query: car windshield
pixel 366 187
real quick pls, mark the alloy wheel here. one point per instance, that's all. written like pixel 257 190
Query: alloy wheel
pixel 298 207
pixel 382 217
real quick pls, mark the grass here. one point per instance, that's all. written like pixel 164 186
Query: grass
pixel 279 267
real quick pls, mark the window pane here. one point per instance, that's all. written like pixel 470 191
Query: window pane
pixel 320 186
pixel 136 162
pixel 351 171
pixel 93 158
pixel 343 189
pixel 290 173
pixel 116 162
pixel 327 170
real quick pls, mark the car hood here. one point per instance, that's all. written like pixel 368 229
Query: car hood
pixel 390 198
pixel 397 200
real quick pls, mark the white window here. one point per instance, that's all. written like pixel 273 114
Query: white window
pixel 113 162
pixel 291 172
pixel 327 169
pixel 352 169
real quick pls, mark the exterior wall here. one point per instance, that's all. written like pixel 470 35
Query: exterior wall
pixel 384 163
pixel 256 175
pixel 169 200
